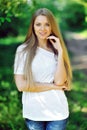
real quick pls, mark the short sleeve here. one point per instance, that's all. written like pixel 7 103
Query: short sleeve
pixel 19 60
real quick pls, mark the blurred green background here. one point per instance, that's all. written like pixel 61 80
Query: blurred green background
pixel 15 17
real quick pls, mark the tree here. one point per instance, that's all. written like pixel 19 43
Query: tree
pixel 10 8
pixel 16 12
pixel 74 15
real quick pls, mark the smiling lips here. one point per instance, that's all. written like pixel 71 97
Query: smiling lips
pixel 43 34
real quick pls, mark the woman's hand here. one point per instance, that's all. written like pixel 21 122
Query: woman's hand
pixel 56 43
pixel 60 87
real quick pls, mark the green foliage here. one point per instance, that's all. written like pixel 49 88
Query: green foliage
pixel 77 102
pixel 10 98
pixel 17 13
pixel 84 1
pixel 14 28
pixel 11 8
pixel 12 40
pixel 73 16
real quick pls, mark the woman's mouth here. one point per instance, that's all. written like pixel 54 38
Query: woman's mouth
pixel 43 34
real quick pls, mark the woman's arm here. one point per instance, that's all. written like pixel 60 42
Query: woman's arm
pixel 38 87
pixel 60 74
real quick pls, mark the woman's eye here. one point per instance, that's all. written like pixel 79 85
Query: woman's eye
pixel 47 24
pixel 38 24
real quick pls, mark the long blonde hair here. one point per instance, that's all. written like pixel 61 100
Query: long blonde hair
pixel 31 42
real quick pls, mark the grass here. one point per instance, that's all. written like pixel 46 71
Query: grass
pixel 10 40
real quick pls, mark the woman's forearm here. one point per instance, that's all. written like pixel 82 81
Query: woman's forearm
pixel 41 87
pixel 37 87
pixel 60 73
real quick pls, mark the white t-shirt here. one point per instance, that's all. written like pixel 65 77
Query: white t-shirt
pixel 42 106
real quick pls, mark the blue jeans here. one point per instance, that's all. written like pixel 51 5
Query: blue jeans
pixel 46 125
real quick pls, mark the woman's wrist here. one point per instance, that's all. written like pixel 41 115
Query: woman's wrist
pixel 60 57
pixel 55 86
pixel 60 54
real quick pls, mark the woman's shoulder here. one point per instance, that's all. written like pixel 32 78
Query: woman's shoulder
pixel 21 47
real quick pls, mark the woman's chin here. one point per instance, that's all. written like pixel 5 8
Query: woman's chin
pixel 42 38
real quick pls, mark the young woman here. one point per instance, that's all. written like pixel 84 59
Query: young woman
pixel 42 72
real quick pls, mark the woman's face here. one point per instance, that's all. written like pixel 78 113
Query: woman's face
pixel 42 27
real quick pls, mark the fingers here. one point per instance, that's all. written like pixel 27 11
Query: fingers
pixel 63 88
pixel 60 87
pixel 53 39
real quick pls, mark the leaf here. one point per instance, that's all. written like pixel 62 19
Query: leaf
pixel 8 19
pixel 9 15
pixel 2 19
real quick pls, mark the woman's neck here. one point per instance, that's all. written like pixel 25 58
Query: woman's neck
pixel 42 43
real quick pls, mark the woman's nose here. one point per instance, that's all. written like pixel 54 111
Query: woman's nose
pixel 42 27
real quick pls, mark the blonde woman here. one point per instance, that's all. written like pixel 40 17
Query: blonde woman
pixel 42 72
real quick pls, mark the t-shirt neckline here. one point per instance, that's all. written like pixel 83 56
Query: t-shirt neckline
pixel 45 51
